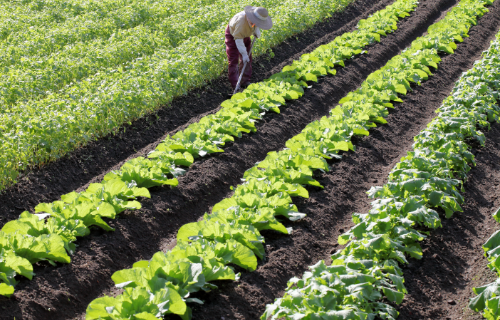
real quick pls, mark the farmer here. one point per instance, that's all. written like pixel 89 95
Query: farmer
pixel 238 32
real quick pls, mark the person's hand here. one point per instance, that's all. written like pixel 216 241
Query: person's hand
pixel 245 58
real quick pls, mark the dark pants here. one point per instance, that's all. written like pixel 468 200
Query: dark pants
pixel 234 57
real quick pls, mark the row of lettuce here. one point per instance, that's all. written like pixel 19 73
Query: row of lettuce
pixel 63 23
pixel 231 234
pixel 50 233
pixel 487 300
pixel 425 182
pixel 78 92
pixel 41 65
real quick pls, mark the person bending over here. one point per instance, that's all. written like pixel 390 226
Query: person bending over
pixel 238 32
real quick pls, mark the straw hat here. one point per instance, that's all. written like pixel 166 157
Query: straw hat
pixel 259 16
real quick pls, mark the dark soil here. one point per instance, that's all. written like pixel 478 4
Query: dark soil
pixel 440 284
pixel 48 183
pixel 63 292
pixel 329 210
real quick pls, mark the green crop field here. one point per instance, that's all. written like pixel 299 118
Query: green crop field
pixel 229 213
pixel 85 68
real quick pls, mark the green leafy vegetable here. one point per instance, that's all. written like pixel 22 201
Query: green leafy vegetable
pixel 430 176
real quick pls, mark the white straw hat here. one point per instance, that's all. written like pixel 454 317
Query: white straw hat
pixel 259 16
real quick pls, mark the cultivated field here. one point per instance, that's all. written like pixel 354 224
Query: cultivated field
pixel 333 111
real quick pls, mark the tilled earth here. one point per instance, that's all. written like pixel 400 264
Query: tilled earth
pixel 439 285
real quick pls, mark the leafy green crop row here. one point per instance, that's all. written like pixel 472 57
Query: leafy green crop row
pixel 76 212
pixel 231 234
pixel 27 29
pixel 484 82
pixel 37 131
pixel 424 182
pixel 16 16
pixel 49 69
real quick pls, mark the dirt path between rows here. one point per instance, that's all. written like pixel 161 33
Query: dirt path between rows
pixel 79 167
pixel 440 284
pixel 64 292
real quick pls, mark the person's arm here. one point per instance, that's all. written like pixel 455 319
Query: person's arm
pixel 242 49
